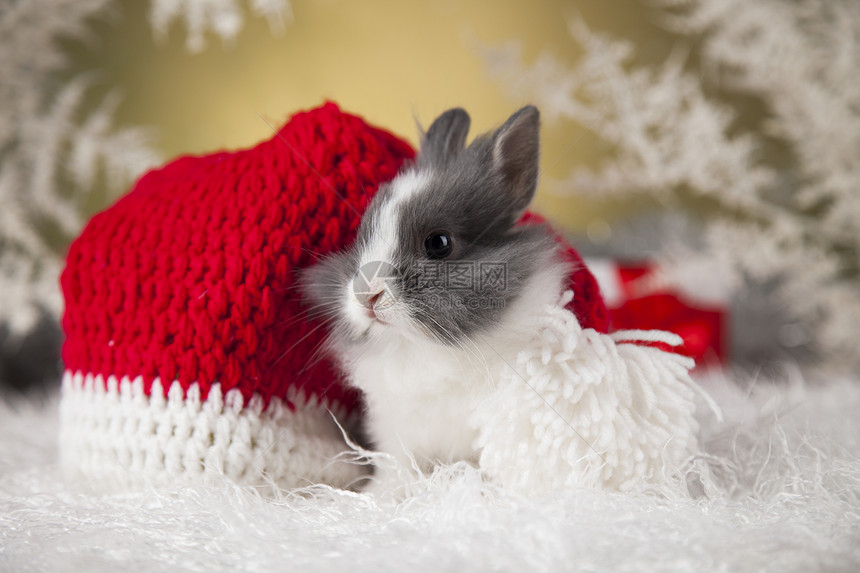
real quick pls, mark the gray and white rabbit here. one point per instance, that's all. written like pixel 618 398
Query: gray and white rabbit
pixel 430 302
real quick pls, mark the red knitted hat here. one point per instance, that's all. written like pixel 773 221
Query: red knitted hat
pixel 187 350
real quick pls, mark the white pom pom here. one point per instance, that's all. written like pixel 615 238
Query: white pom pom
pixel 581 408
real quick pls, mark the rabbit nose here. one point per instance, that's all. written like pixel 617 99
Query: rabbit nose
pixel 369 298
pixel 370 295
pixel 371 284
pixel 373 299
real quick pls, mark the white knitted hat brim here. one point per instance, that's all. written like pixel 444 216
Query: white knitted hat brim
pixel 112 430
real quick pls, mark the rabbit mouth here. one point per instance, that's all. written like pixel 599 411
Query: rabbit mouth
pixel 375 316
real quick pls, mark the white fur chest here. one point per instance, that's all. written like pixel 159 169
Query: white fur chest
pixel 420 396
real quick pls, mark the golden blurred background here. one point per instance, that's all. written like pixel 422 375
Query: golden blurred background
pixel 391 62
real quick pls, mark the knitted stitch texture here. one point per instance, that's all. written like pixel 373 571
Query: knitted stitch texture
pixel 588 306
pixel 190 277
pixel 188 351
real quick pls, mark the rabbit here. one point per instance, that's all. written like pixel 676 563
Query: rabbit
pixel 429 303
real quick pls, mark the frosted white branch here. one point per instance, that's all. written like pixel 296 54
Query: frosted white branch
pixel 52 152
pixel 223 17
pixel 664 133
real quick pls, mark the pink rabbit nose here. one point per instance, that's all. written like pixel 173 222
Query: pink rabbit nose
pixel 373 288
pixel 373 299
pixel 372 302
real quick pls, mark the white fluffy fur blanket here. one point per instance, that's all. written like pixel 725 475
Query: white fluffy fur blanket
pixel 780 491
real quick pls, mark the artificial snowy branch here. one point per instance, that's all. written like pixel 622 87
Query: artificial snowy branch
pixel 664 132
pixel 224 17
pixel 52 153
pixel 801 58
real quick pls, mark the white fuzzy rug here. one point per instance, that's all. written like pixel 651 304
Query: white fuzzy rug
pixel 781 493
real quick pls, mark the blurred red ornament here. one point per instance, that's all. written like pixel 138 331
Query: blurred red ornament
pixel 638 298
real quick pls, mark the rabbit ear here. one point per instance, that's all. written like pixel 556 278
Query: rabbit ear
pixel 516 157
pixel 446 137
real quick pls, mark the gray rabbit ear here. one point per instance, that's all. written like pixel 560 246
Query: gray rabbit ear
pixel 446 137
pixel 516 157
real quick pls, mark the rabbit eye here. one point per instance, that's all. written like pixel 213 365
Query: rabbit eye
pixel 438 245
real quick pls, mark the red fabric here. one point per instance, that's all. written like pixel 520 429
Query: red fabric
pixel 701 328
pixel 632 277
pixel 650 306
pixel 190 276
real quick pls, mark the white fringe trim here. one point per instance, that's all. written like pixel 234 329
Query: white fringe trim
pixel 116 432
pixel 581 408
